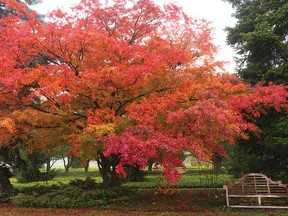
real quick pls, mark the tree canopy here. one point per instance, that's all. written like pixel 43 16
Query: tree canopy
pixel 123 83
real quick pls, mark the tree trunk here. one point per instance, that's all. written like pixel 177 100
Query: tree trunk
pixel 150 165
pixel 107 168
pixel 48 165
pixel 5 184
pixel 86 165
pixel 69 163
pixel 217 163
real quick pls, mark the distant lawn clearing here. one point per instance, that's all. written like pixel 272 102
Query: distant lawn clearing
pixel 193 177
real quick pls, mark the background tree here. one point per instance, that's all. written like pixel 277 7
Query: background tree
pixel 260 39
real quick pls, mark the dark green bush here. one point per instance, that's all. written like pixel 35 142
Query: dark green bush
pixel 32 175
pixel 134 173
pixel 78 193
pixel 46 176
pixel 6 196
pixel 39 189
pixel 86 184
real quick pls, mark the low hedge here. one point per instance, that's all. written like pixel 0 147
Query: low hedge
pixel 77 194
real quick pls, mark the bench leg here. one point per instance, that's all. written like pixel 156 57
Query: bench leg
pixel 227 201
pixel 259 200
pixel 227 198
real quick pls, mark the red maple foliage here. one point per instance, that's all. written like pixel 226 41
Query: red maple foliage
pixel 131 79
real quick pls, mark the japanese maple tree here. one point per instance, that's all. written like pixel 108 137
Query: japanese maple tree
pixel 122 82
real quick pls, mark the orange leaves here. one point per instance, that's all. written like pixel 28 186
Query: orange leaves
pixel 146 112
pixel 8 124
pixel 100 116
pixel 65 98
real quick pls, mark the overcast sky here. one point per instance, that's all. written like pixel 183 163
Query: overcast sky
pixel 216 11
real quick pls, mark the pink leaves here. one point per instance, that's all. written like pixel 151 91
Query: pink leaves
pixel 262 98
pixel 271 96
pixel 138 144
pixel 132 145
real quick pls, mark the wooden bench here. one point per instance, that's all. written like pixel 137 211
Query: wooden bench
pixel 255 185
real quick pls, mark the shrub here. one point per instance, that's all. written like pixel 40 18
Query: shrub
pixel 134 173
pixel 6 196
pixel 78 193
pixel 86 184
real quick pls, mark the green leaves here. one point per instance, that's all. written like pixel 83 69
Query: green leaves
pixel 260 38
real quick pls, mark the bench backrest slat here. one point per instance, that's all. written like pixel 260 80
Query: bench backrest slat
pixel 255 183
